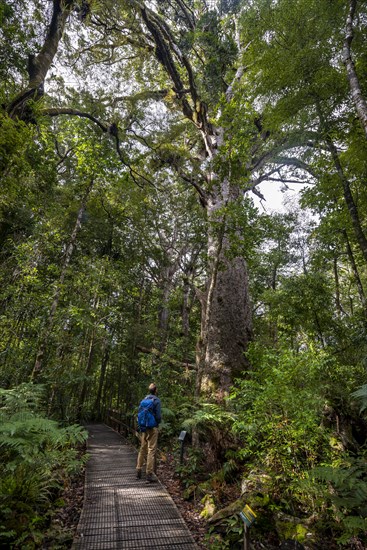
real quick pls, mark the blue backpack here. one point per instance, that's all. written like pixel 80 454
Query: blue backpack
pixel 146 418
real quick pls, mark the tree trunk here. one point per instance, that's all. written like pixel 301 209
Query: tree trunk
pixel 102 376
pixel 166 284
pixel 349 200
pixel 226 323
pixel 337 287
pixel 359 101
pixel 39 65
pixel 361 293
pixel 87 373
pixel 226 326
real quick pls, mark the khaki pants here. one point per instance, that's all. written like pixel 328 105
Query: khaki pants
pixel 148 449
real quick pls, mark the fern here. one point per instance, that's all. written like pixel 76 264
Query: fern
pixel 26 397
pixel 361 394
pixel 37 456
pixel 347 494
pixel 206 418
pixel 352 526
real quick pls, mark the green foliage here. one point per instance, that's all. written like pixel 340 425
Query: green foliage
pixel 192 467
pixel 38 457
pixel 282 434
pixel 281 408
pixel 345 495
pixel 208 417
pixel 231 536
pixel 361 395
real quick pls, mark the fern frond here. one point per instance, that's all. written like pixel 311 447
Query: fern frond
pixel 361 394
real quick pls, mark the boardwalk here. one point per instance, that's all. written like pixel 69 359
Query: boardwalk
pixel 121 512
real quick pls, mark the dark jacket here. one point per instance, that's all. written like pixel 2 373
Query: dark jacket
pixel 156 407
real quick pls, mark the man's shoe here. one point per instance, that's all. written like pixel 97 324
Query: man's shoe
pixel 151 478
pixel 138 474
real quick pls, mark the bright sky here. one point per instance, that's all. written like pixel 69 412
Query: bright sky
pixel 277 197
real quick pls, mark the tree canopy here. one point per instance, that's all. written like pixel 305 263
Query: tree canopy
pixel 134 138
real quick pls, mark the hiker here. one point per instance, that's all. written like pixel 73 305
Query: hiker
pixel 149 417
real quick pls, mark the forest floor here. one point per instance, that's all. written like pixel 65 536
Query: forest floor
pixel 190 510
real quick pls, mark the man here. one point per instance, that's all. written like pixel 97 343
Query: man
pixel 149 435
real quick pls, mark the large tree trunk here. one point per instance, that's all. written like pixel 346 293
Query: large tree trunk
pixel 227 323
pixel 226 327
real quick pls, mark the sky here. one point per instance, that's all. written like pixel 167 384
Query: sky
pixel 277 199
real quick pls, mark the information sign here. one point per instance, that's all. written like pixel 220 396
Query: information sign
pixel 247 515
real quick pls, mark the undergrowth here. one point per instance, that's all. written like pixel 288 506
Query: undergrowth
pixel 39 458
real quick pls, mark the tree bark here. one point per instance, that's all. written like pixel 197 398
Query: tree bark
pixel 227 315
pixel 359 101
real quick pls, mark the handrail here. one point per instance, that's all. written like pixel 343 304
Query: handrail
pixel 114 417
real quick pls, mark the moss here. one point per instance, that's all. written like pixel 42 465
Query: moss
pixel 209 507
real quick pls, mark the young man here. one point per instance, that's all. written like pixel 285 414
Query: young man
pixel 149 437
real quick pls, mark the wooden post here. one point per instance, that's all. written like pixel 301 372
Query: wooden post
pixel 246 538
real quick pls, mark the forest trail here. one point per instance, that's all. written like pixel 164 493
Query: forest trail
pixel 119 511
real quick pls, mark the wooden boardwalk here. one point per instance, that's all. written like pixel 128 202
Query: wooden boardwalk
pixel 120 511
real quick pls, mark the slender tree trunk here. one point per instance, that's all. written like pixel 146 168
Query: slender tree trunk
pixel 163 313
pixel 349 200
pixel 87 373
pixel 337 287
pixel 359 101
pixel 102 376
pixel 357 278
pixel 56 297
pixel 347 192
pixel 188 296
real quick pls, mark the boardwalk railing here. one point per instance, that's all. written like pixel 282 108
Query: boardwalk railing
pixel 122 423
pixel 126 425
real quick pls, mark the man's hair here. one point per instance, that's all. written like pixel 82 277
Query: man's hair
pixel 152 388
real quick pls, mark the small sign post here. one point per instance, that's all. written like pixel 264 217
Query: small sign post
pixel 248 517
pixel 181 438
